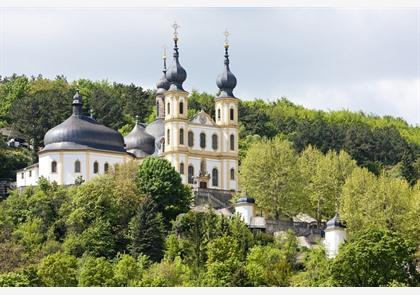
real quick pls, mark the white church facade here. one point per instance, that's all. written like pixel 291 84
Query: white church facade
pixel 202 149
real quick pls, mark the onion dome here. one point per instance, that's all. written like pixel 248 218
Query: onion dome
pixel 139 142
pixel 226 81
pixel 156 128
pixel 81 132
pixel 163 84
pixel 335 222
pixel 245 199
pixel 176 74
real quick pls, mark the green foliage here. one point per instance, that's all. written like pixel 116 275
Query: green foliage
pixel 269 173
pixel 126 271
pixel 58 270
pixel 167 274
pixel 316 271
pixel 375 257
pixel 158 179
pixel 96 272
pixel 11 160
pixel 13 280
pixel 267 266
pixel 146 231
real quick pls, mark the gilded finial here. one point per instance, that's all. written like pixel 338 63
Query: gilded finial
pixel 227 34
pixel 175 26
pixel 164 58
pixel 137 119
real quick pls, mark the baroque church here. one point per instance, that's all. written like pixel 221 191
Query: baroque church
pixel 202 149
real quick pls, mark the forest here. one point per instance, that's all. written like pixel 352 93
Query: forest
pixel 133 226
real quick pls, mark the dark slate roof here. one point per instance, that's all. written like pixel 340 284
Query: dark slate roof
pixel 226 81
pixel 82 132
pixel 246 200
pixel 335 222
pixel 139 140
pixel 163 84
pixel 176 74
pixel 156 128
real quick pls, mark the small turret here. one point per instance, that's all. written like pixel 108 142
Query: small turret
pixel 335 235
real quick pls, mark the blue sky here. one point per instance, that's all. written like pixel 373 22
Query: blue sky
pixel 322 58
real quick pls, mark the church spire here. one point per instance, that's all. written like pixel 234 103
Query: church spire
pixel 226 81
pixel 176 74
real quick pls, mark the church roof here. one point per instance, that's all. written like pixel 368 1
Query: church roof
pixel 82 132
pixel 335 222
pixel 156 128
pixel 139 142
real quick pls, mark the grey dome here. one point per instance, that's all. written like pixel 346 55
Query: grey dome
pixel 163 84
pixel 335 222
pixel 82 132
pixel 176 74
pixel 156 128
pixel 139 140
pixel 226 81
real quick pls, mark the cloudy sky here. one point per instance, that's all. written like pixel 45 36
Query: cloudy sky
pixel 323 58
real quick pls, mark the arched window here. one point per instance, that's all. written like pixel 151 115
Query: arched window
pixel 95 167
pixel 232 114
pixel 190 139
pixel 169 108
pixel 232 142
pixel 214 141
pixel 218 114
pixel 190 174
pixel 181 107
pixel 181 168
pixel 30 173
pixel 181 136
pixel 215 177
pixel 157 108
pixel 232 174
pixel 168 136
pixel 106 167
pixel 202 140
pixel 53 167
pixel 77 166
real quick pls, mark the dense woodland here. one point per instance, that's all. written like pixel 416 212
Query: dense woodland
pixel 134 227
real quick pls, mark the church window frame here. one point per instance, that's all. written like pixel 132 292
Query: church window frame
pixel 181 168
pixel 168 136
pixel 232 114
pixel 54 166
pixel 202 140
pixel 95 167
pixel 232 173
pixel 232 142
pixel 181 136
pixel 30 173
pixel 181 107
pixel 169 108
pixel 214 141
pixel 215 177
pixel 190 138
pixel 218 115
pixel 106 167
pixel 77 166
pixel 190 174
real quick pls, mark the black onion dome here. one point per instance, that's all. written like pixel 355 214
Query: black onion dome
pixel 162 85
pixel 156 128
pixel 138 141
pixel 176 74
pixel 335 222
pixel 226 81
pixel 245 199
pixel 82 132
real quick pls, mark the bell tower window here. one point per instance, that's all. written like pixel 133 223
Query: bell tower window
pixel 169 108
pixel 218 114
pixel 232 114
pixel 168 136
pixel 190 139
pixel 181 136
pixel 181 107
pixel 232 142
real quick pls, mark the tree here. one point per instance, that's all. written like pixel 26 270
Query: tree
pixel 167 274
pixel 126 271
pixel 223 262
pixel 146 231
pixel 12 279
pixel 96 272
pixel 158 179
pixel 267 266
pixel 316 271
pixel 375 257
pixel 269 174
pixel 381 201
pixel 58 270
pixel 324 177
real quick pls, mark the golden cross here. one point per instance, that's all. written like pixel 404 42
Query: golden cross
pixel 227 34
pixel 175 26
